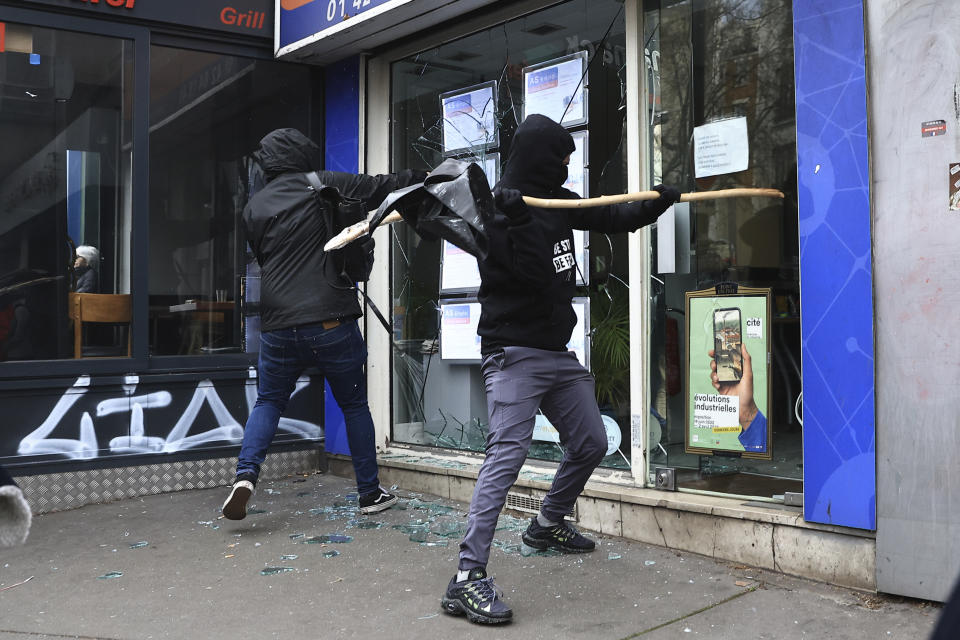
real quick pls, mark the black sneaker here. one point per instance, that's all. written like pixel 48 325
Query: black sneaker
pixel 476 597
pixel 377 501
pixel 562 537
pixel 235 507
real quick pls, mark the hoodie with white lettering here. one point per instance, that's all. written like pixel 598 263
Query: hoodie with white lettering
pixel 528 278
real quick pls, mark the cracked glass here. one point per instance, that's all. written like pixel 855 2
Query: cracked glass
pixel 465 99
pixel 716 61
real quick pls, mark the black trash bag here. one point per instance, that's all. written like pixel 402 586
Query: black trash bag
pixel 453 203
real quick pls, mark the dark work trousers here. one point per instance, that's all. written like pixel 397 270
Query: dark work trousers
pixel 520 380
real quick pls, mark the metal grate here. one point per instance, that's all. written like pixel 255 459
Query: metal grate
pixel 69 490
pixel 532 504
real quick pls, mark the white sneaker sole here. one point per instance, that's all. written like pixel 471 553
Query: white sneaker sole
pixel 235 507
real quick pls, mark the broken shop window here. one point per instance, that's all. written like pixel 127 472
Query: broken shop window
pixel 465 99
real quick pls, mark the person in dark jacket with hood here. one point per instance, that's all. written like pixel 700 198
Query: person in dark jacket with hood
pixel 528 280
pixel 308 307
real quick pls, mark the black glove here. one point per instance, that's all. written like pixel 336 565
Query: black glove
pixel 510 203
pixel 668 196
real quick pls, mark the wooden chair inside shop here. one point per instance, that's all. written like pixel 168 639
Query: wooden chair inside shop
pixel 105 308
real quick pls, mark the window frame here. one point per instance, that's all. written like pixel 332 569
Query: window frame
pixel 140 36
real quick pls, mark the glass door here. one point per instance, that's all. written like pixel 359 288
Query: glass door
pixel 720 75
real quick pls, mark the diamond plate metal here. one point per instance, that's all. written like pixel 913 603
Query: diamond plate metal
pixel 61 491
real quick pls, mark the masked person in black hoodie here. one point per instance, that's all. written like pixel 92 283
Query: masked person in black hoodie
pixel 528 280
pixel 308 304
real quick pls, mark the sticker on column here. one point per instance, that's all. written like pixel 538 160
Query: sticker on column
pixel 933 128
pixel 955 186
pixel 755 328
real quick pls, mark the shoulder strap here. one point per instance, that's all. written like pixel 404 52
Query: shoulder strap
pixel 314 179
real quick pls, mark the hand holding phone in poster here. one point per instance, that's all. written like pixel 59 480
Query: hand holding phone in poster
pixel 742 389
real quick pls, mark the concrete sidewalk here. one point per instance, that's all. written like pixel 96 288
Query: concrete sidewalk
pixel 188 574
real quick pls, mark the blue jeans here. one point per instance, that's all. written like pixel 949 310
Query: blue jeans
pixel 339 354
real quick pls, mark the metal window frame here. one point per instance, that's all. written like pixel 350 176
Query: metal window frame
pixel 376 148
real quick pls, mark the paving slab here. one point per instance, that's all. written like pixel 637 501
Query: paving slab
pixel 306 564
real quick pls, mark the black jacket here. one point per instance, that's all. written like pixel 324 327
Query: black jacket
pixel 529 276
pixel 87 280
pixel 285 227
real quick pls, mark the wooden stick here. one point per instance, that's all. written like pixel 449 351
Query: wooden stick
pixel 548 203
pixel 360 229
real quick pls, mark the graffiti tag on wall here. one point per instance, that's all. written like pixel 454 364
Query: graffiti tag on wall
pixel 86 446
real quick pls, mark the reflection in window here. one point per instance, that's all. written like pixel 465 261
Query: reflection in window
pixel 707 62
pixel 65 122
pixel 207 114
pixel 441 402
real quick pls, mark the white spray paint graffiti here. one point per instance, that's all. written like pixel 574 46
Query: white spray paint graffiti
pixel 86 448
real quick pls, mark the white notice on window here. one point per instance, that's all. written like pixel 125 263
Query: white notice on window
pixel 721 147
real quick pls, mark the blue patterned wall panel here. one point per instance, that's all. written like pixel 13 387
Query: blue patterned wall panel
pixel 341 146
pixel 836 280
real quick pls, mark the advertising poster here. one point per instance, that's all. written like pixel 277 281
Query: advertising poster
pixel 491 167
pixel 727 368
pixel 580 246
pixel 458 331
pixel 458 270
pixel 579 343
pixel 721 147
pixel 557 89
pixel 577 171
pixel 469 118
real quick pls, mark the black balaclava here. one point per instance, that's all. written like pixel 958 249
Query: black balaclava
pixel 287 151
pixel 535 164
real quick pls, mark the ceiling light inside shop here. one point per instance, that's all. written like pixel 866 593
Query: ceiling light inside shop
pixel 18 39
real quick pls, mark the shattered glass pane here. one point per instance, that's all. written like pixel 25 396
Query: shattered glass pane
pixel 139 545
pixel 110 574
pixel 328 538
pixel 272 571
pixel 440 402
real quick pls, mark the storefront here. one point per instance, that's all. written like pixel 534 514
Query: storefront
pixel 703 95
pixel 128 128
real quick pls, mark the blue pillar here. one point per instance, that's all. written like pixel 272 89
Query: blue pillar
pixel 341 146
pixel 836 280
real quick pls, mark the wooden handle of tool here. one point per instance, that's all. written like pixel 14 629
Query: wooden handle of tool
pixel 361 229
pixel 355 231
pixel 551 203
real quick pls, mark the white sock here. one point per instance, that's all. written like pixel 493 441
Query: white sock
pixel 543 522
pixel 462 574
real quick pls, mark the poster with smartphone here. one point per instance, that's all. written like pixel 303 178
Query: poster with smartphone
pixel 728 372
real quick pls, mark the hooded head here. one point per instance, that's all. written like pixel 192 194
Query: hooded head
pixel 287 151
pixel 535 164
pixel 90 254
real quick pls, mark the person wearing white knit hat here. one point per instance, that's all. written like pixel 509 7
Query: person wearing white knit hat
pixel 85 266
